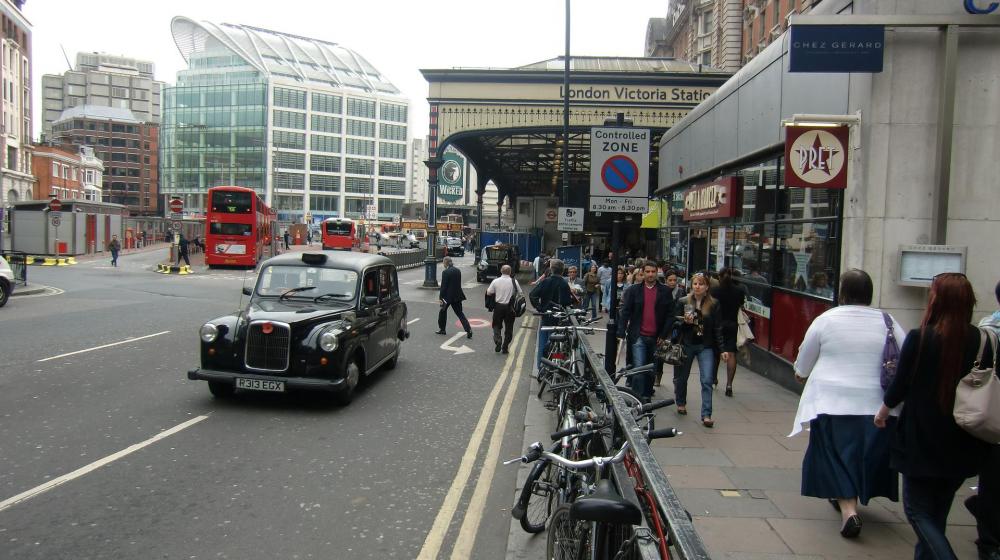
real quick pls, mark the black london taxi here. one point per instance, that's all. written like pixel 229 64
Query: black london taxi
pixel 493 259
pixel 315 321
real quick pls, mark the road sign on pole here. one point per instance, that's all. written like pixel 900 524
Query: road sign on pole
pixel 176 205
pixel 619 169
pixel 571 219
pixel 56 221
pixel 55 205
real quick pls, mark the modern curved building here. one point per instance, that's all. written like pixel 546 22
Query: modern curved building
pixel 312 125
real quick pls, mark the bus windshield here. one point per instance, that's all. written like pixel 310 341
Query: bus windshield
pixel 338 228
pixel 230 202
pixel 229 229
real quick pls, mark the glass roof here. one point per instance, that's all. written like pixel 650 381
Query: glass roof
pixel 282 54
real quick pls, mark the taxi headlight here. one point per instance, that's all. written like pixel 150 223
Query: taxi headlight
pixel 208 332
pixel 328 341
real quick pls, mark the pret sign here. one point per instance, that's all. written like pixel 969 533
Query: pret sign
pixel 720 198
pixel 571 219
pixel 619 169
pixel 816 156
pixel 176 205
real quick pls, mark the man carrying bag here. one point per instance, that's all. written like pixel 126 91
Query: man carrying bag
pixel 505 291
pixel 552 290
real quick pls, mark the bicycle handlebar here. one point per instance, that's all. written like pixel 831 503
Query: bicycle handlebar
pixel 649 407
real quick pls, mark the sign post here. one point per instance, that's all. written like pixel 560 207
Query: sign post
pixel 55 213
pixel 176 213
pixel 571 219
pixel 619 170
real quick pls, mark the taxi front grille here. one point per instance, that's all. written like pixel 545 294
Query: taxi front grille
pixel 267 352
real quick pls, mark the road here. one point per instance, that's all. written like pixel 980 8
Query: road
pixel 110 452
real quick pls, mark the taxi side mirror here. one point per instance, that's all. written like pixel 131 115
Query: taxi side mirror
pixel 370 300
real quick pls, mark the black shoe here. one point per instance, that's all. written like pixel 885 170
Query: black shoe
pixel 440 332
pixel 852 528
pixel 468 334
pixel 497 348
pixel 505 350
pixel 729 391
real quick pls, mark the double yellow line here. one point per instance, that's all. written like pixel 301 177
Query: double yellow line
pixel 474 514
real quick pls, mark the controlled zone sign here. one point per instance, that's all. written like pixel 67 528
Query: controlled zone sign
pixel 619 169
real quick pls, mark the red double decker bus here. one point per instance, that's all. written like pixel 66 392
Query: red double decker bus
pixel 238 227
pixel 339 234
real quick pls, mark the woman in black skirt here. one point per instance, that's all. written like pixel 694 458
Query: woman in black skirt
pixel 731 297
pixel 840 361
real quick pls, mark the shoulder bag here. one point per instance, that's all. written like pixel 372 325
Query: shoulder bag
pixel 744 333
pixel 890 354
pixel 977 397
pixel 517 300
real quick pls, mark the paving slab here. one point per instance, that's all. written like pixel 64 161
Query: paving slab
pixel 711 503
pixel 739 535
pixel 765 479
pixel 698 477
pixel 691 456
pixel 822 538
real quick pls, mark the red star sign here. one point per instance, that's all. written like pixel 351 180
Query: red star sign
pixel 816 157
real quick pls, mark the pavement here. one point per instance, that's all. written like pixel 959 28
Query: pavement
pixel 740 481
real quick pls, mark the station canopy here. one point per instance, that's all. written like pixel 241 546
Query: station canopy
pixel 509 122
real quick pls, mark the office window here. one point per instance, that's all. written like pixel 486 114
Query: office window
pixel 360 108
pixel 392 169
pixel 289 160
pixel 330 183
pixel 322 123
pixel 320 143
pixel 55 169
pixel 290 140
pixel 358 147
pixel 354 207
pixel 330 164
pixel 324 203
pixel 361 128
pixel 392 151
pixel 392 132
pixel 360 185
pixel 289 181
pixel 289 119
pixel 324 103
pixel 390 205
pixel 388 186
pixel 392 112
pixel 291 98
pixel 359 166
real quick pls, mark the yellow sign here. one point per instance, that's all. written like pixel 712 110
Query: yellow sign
pixel 579 93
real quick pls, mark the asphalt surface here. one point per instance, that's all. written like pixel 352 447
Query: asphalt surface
pixel 408 470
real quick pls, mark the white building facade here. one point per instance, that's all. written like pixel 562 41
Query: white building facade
pixel 311 125
pixel 92 169
pixel 17 182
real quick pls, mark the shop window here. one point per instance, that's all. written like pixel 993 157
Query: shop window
pixel 806 255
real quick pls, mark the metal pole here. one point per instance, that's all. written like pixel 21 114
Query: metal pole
pixel 564 198
pixel 430 263
pixel 611 338
pixel 946 121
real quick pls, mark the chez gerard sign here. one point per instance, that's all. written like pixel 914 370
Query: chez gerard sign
pixel 816 156
pixel 719 198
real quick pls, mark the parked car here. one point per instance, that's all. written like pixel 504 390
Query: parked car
pixel 494 257
pixel 453 246
pixel 314 322
pixel 6 281
pixel 411 241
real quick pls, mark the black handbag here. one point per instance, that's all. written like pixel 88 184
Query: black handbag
pixel 518 304
pixel 670 353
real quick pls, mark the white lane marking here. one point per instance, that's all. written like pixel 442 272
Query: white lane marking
pixel 413 282
pixel 470 285
pixel 126 341
pixel 435 537
pixel 410 322
pixel 23 496
pixel 458 350
pixel 474 514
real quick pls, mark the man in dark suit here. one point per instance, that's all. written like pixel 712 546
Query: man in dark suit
pixel 451 294
pixel 552 290
pixel 643 323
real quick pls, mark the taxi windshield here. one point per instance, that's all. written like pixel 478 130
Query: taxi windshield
pixel 333 283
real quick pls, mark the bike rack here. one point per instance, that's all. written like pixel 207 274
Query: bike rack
pixel 685 541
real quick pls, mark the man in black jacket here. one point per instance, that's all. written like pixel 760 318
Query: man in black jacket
pixel 451 294
pixel 643 322
pixel 553 289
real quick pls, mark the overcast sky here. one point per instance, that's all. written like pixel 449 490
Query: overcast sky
pixel 398 37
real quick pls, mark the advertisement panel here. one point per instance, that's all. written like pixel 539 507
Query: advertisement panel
pixel 719 198
pixel 451 177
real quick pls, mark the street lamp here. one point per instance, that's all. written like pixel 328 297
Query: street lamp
pixel 430 263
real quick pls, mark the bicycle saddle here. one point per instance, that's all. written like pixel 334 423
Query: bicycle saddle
pixel 557 338
pixel 606 506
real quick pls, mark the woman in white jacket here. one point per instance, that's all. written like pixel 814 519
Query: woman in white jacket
pixel 840 361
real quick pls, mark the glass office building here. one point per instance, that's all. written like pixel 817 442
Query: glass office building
pixel 311 125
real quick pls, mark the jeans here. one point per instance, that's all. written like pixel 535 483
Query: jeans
pixel 606 298
pixel 706 365
pixel 543 340
pixel 457 307
pixel 926 502
pixel 114 258
pixel 642 354
pixel 590 300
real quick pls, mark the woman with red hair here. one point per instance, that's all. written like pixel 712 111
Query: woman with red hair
pixel 929 449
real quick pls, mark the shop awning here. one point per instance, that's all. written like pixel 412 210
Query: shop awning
pixel 651 219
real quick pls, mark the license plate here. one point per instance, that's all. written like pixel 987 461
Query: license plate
pixel 260 385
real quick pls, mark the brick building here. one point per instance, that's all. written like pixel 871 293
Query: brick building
pixel 58 171
pixel 15 130
pixel 127 146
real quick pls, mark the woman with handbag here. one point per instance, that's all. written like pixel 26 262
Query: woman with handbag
pixel 929 449
pixel 700 333
pixel 840 361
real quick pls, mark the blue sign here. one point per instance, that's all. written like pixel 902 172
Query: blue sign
pixel 988 7
pixel 570 255
pixel 836 48
pixel 619 174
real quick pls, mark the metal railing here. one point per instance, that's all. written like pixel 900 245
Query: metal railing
pixel 405 258
pixel 685 541
pixel 18 262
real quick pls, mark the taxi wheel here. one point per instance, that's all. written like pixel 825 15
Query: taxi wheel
pixel 221 390
pixel 353 378
pixel 4 291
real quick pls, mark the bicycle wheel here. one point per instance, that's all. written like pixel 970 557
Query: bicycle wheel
pixel 537 497
pixel 567 539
